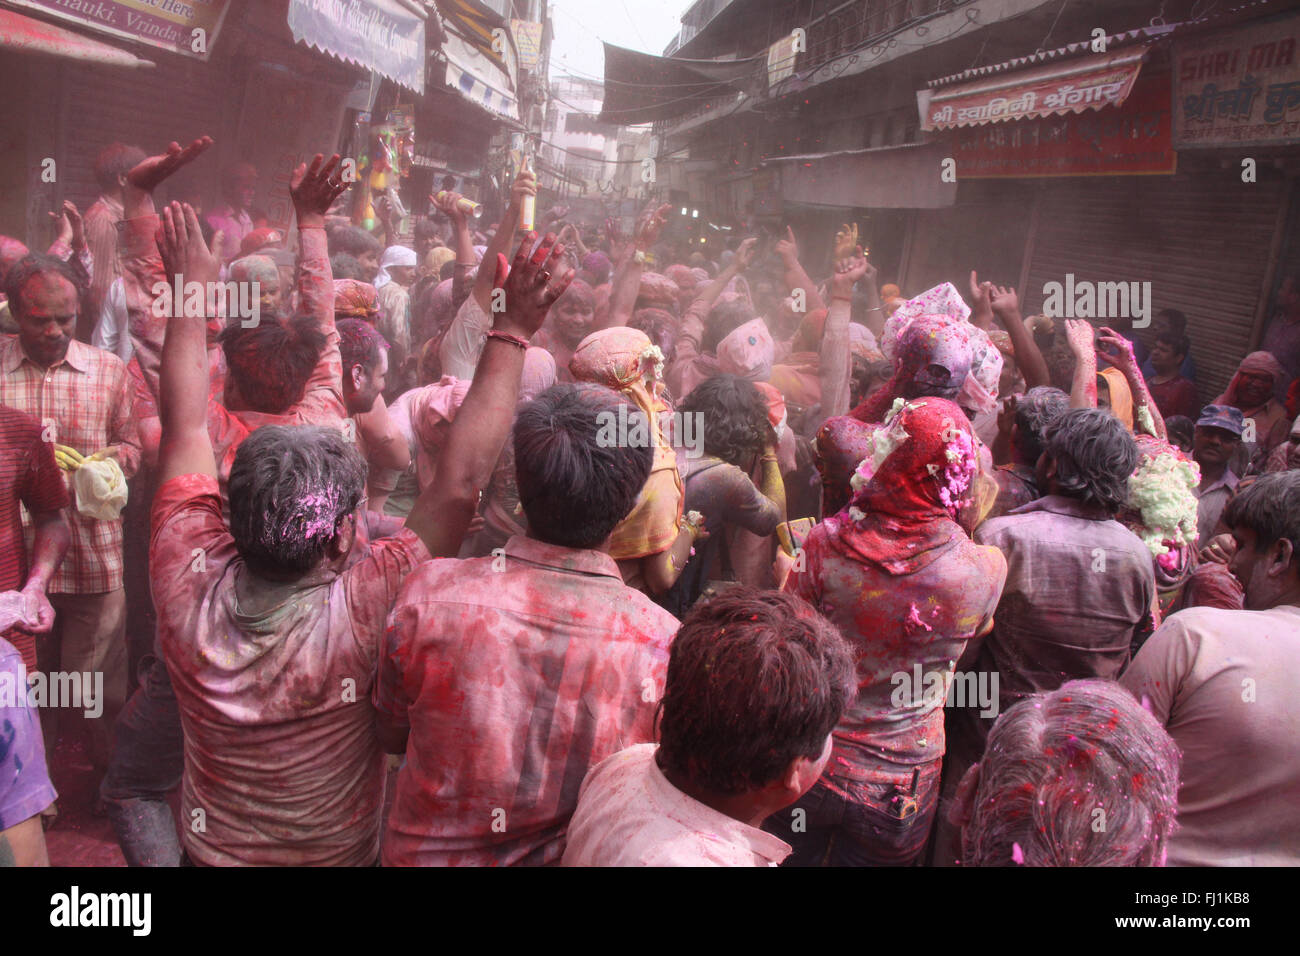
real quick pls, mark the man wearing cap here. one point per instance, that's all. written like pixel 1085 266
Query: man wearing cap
pixel 231 216
pixel 1215 441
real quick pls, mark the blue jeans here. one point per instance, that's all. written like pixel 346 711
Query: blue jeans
pixel 860 829
pixel 147 762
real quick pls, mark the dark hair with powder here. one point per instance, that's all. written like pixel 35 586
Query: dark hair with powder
pixel 270 364
pixel 114 160
pixel 28 268
pixel 1270 507
pixel 353 240
pixel 359 344
pixel 735 417
pixel 575 489
pixel 1059 763
pixel 756 679
pixel 1094 457
pixel 290 489
pixel 1035 413
pixel 344 266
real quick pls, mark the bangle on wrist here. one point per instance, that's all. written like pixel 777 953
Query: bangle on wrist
pixel 507 337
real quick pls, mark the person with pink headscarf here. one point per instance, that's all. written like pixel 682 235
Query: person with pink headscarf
pixel 653 543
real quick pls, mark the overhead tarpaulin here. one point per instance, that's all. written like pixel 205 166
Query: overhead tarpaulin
pixel 1071 86
pixel 26 35
pixel 890 177
pixel 643 88
pixel 478 78
pixel 386 36
pixel 187 28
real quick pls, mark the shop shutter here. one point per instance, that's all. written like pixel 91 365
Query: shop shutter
pixel 178 99
pixel 1201 238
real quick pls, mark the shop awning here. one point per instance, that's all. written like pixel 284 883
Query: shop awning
pixel 1071 86
pixel 643 88
pixel 478 78
pixel 386 36
pixel 891 177
pixel 26 35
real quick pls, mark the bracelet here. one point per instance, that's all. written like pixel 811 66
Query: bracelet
pixel 507 337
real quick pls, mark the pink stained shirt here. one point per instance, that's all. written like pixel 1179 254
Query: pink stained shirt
pixel 1223 684
pixel 630 815
pixel 516 674
pixel 273 682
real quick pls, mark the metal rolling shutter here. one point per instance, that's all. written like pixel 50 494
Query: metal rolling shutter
pixel 179 99
pixel 1201 238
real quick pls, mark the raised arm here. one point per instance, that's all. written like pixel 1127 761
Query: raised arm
pixel 1006 309
pixel 1083 390
pixel 443 511
pixel 1118 351
pixel 314 189
pixel 185 447
pixel 793 273
pixel 627 277
pixel 835 364
pixel 142 266
pixel 502 240
pixel 691 334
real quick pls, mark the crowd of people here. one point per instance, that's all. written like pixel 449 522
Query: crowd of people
pixel 420 545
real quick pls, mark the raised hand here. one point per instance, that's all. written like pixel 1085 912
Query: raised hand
pixel 448 203
pixel 149 172
pixel 529 291
pixel 1116 350
pixel 184 253
pixel 650 224
pixel 1005 302
pixel 788 248
pixel 314 188
pixel 846 241
pixel 1079 334
pixel 746 254
pixel 849 271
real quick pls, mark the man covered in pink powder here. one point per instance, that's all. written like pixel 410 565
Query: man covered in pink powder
pixel 505 679
pixel 269 624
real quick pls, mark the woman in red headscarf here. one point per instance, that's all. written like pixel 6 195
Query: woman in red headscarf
pixel 1256 387
pixel 908 589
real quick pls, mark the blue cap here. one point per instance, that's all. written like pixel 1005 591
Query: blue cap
pixel 1221 416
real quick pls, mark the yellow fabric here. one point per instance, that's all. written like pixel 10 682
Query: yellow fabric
pixel 621 359
pixel 101 489
pixel 1121 396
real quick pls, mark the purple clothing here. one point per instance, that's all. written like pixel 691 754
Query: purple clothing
pixel 1079 591
pixel 25 788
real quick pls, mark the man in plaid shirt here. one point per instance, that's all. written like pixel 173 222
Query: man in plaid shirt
pixel 79 394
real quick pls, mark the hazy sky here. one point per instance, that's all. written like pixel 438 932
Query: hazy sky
pixel 581 25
